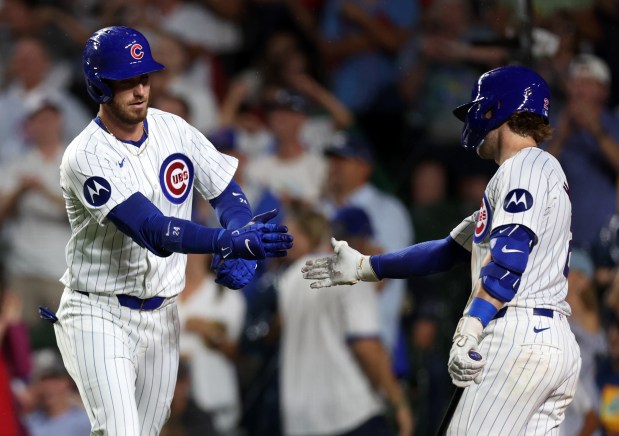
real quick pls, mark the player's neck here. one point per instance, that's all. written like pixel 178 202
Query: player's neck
pixel 121 130
pixel 511 144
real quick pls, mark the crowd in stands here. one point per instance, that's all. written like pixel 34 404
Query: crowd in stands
pixel 339 112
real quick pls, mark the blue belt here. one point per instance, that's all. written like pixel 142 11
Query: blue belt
pixel 137 303
pixel 548 313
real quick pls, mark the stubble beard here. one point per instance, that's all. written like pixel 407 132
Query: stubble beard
pixel 124 114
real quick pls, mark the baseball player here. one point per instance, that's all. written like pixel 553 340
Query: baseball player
pixel 513 350
pixel 128 180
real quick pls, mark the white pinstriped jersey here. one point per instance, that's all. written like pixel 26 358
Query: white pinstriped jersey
pixel 530 189
pixel 98 172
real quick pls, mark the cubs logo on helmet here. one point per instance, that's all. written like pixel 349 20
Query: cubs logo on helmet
pixel 176 177
pixel 115 53
pixel 136 51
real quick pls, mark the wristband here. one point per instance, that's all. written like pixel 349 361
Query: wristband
pixel 483 310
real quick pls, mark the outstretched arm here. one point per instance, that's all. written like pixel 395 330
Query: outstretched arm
pixel 348 266
pixel 163 235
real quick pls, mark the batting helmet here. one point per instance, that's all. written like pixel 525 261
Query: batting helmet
pixel 115 53
pixel 505 91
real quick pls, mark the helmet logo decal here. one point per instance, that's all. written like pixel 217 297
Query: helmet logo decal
pixel 97 191
pixel 176 177
pixel 518 200
pixel 137 51
pixel 484 221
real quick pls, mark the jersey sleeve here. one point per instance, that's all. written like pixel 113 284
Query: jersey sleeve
pixel 520 196
pixel 463 233
pixel 214 170
pixel 97 181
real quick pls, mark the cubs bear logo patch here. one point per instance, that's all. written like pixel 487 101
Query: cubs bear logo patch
pixel 518 200
pixel 97 191
pixel 176 177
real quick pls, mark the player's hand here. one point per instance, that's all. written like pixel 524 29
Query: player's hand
pixel 256 240
pixel 233 273
pixel 465 362
pixel 347 267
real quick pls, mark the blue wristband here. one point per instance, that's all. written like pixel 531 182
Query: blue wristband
pixel 482 309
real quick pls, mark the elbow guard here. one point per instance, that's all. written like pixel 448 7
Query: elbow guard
pixel 510 247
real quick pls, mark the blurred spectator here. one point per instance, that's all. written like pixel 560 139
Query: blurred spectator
pixel 33 213
pixel 585 322
pixel 186 77
pixel 211 319
pixel 186 418
pixel 31 78
pixel 449 54
pixel 607 379
pixel 282 65
pixel 350 167
pixel 334 367
pixel 15 362
pixel 292 172
pixel 360 36
pixel 586 142
pixel 58 410
pixel 259 196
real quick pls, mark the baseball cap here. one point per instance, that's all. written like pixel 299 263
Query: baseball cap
pixel 588 65
pixel 349 145
pixel 351 222
pixel 35 103
pixel 287 99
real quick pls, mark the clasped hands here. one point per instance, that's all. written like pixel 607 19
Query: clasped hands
pixel 235 263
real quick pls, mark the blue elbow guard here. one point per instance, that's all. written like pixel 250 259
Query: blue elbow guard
pixel 499 282
pixel 510 247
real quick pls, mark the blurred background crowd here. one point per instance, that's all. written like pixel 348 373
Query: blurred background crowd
pixel 339 112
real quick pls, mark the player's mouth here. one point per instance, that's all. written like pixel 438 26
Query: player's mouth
pixel 138 104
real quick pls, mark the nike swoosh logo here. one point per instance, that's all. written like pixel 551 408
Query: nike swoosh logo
pixel 536 330
pixel 122 162
pixel 236 194
pixel 504 249
pixel 247 246
pixel 224 255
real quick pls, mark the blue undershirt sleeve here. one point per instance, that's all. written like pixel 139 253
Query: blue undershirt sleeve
pixel 420 259
pixel 231 206
pixel 140 219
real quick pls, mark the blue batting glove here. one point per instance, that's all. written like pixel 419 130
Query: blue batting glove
pixel 233 273
pixel 254 241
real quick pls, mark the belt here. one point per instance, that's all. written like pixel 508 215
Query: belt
pixel 539 311
pixel 136 303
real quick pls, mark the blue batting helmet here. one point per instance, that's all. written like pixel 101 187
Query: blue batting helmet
pixel 115 53
pixel 505 91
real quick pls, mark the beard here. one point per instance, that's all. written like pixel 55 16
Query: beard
pixel 127 114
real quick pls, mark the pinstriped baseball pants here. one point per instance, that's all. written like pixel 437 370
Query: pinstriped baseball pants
pixel 533 364
pixel 124 361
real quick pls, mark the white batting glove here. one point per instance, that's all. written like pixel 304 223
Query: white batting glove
pixel 465 362
pixel 347 267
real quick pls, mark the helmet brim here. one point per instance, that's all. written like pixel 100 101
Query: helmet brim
pixel 461 111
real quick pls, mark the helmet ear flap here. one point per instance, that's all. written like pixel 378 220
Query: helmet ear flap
pixel 99 91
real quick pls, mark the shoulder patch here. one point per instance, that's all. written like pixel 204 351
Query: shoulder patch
pixel 484 221
pixel 176 177
pixel 97 191
pixel 518 200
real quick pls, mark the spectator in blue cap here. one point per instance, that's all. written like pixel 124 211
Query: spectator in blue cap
pixel 348 183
